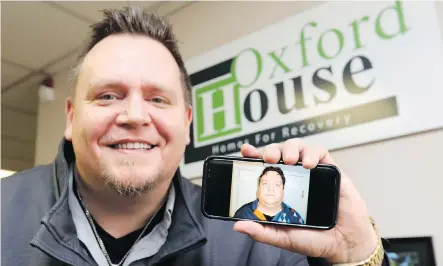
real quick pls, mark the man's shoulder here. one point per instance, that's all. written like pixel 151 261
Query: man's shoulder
pixel 32 175
pixel 288 208
pixel 24 186
pixel 26 197
pixel 293 215
pixel 246 206
pixel 245 211
pixel 191 189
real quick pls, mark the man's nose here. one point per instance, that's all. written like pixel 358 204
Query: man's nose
pixel 134 113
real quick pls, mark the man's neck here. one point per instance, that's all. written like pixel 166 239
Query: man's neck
pixel 269 210
pixel 120 215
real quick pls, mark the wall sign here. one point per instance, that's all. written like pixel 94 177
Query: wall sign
pixel 341 74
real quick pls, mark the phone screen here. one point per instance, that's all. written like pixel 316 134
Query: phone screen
pixel 250 189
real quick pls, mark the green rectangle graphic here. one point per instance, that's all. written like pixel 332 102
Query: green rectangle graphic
pixel 218 109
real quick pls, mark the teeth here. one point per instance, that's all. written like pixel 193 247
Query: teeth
pixel 134 146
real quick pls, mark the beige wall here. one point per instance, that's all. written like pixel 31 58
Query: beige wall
pixel 51 121
pixel 398 177
pixel 19 126
pixel 18 136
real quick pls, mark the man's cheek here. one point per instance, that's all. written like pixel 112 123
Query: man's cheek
pixel 171 130
pixel 100 118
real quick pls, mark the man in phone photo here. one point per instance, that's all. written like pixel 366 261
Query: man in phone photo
pixel 269 205
pixel 114 193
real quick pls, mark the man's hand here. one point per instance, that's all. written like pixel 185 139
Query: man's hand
pixel 353 239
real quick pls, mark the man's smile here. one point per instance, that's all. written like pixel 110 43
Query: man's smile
pixel 132 146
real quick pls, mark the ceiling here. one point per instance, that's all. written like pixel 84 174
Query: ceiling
pixel 45 37
pixel 39 38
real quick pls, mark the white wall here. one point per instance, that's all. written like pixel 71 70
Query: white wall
pixel 398 178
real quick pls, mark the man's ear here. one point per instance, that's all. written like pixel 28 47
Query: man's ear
pixel 188 118
pixel 69 111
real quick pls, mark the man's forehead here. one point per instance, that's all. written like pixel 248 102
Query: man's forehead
pixel 271 175
pixel 97 81
pixel 119 58
pixel 137 78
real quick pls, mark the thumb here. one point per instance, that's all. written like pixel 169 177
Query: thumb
pixel 263 233
pixel 248 227
pixel 307 242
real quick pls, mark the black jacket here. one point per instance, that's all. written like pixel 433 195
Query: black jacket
pixel 37 227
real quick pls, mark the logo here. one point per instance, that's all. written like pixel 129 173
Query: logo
pixel 218 104
pixel 321 80
pixel 218 107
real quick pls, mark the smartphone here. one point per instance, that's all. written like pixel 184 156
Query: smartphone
pixel 239 188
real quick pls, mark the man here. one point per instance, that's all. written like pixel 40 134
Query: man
pixel 269 205
pixel 114 194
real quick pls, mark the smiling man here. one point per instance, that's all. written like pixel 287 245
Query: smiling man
pixel 269 205
pixel 114 194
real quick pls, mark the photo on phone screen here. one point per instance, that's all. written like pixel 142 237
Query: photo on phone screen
pixel 269 192
pixel 237 188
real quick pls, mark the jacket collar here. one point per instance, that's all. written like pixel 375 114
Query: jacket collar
pixel 284 206
pixel 57 234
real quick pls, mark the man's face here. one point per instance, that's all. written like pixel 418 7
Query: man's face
pixel 270 190
pixel 128 121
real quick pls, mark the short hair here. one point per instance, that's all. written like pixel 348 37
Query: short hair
pixel 273 169
pixel 135 20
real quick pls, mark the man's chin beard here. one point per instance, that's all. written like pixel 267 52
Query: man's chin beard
pixel 128 189
pixel 131 186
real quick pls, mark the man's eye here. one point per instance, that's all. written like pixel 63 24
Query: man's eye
pixel 107 97
pixel 158 100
